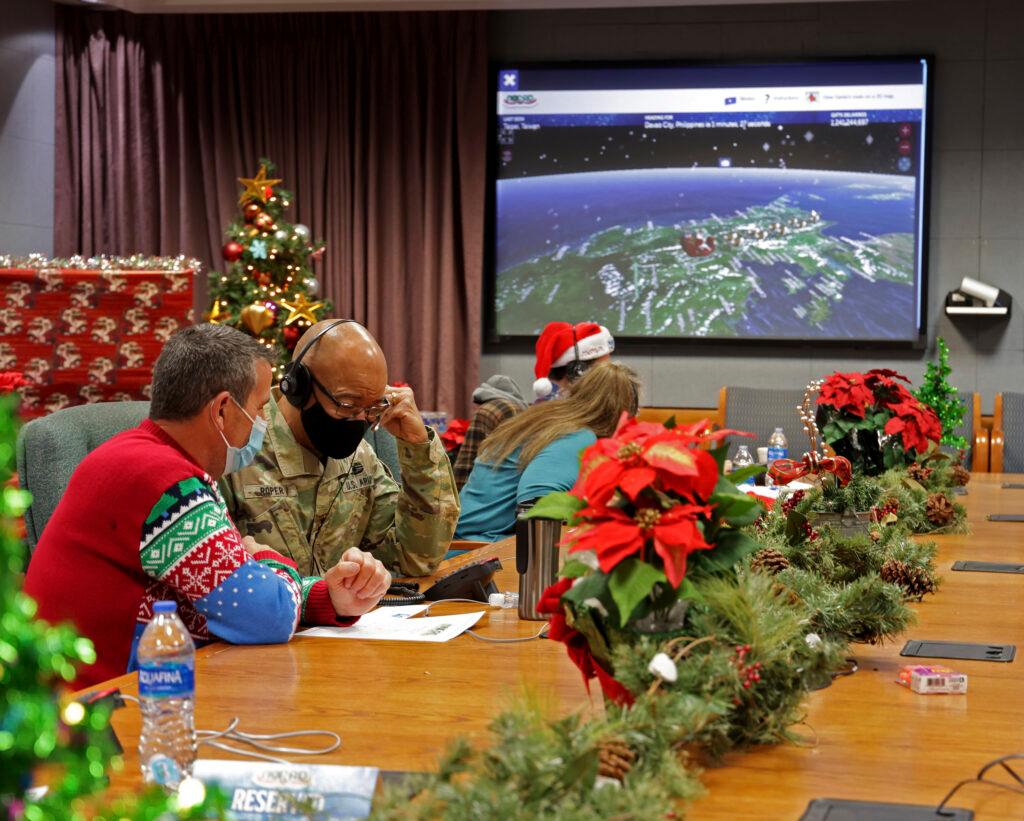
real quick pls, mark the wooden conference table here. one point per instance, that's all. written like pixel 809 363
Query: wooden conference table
pixel 395 705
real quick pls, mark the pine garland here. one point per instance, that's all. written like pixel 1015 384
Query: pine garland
pixel 837 577
pixel 912 497
pixel 537 768
pixel 740 680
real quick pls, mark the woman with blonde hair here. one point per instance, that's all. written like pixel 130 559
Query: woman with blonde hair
pixel 538 451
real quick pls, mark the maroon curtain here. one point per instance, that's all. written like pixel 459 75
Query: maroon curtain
pixel 376 123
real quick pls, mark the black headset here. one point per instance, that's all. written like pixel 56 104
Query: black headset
pixel 575 369
pixel 297 382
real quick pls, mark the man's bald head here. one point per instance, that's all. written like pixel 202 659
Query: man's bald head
pixel 347 361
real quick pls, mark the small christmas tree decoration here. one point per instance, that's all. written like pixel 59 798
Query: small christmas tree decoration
pixel 269 265
pixel 941 397
pixel 915 581
pixel 939 509
pixel 769 560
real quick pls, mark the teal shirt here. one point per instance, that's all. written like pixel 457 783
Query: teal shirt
pixel 490 496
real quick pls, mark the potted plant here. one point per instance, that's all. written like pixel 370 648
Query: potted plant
pixel 874 421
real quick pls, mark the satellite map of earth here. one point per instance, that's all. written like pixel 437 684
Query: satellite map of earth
pixel 724 252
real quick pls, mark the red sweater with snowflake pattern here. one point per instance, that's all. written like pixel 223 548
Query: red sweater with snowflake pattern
pixel 140 522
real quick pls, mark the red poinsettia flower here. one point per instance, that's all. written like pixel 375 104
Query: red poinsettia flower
pixel 884 377
pixel 576 644
pixel 11 381
pixel 455 434
pixel 847 393
pixel 614 535
pixel 640 455
pixel 916 424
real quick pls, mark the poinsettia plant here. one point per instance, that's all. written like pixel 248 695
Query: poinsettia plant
pixel 874 421
pixel 455 434
pixel 651 509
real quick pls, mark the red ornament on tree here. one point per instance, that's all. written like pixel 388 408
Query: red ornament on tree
pixel 292 333
pixel 262 277
pixel 251 211
pixel 232 251
pixel 263 221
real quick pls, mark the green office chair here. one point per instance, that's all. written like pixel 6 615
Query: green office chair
pixel 50 448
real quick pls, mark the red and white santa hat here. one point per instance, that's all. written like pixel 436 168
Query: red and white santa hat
pixel 557 346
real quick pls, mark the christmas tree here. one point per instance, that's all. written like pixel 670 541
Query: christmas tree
pixel 268 289
pixel 43 732
pixel 941 397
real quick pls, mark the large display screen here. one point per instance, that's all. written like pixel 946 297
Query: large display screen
pixel 782 201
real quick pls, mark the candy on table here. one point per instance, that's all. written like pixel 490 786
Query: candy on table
pixel 936 678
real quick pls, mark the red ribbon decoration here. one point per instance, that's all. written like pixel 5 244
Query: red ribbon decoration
pixel 784 471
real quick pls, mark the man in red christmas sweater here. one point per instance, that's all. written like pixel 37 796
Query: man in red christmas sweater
pixel 143 520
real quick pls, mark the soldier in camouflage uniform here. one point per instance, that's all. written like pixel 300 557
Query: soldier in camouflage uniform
pixel 312 507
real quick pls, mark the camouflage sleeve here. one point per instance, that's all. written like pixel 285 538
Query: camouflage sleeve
pixel 411 525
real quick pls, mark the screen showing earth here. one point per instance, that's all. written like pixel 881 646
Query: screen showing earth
pixel 712 202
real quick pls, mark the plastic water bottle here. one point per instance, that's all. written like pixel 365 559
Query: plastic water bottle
pixel 743 459
pixel 505 600
pixel 166 655
pixel 778 448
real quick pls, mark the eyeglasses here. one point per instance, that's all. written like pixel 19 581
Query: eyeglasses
pixel 373 413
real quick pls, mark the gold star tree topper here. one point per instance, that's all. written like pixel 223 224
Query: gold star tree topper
pixel 255 188
pixel 300 308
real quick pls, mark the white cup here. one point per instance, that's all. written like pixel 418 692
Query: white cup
pixel 762 456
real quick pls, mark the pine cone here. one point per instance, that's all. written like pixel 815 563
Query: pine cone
pixel 615 759
pixel 939 509
pixel 787 593
pixel 961 475
pixel 915 581
pixel 769 560
pixel 919 473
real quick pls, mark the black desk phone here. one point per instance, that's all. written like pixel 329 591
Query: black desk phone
pixel 471 581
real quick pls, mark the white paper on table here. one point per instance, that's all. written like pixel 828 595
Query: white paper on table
pixel 386 614
pixel 428 628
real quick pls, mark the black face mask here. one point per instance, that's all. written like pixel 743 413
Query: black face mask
pixel 333 438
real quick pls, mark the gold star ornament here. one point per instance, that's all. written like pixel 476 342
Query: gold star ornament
pixel 300 308
pixel 255 188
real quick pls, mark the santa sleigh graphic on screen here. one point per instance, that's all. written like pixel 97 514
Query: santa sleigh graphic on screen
pixel 697 246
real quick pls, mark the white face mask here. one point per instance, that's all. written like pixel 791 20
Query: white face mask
pixel 238 458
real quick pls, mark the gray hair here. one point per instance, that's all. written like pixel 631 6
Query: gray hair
pixel 200 361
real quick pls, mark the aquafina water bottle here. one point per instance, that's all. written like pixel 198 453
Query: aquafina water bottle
pixel 166 656
pixel 778 448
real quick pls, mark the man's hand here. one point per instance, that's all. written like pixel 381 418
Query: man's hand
pixel 356 583
pixel 252 547
pixel 402 418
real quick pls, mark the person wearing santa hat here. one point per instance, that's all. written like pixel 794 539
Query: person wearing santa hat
pixel 538 451
pixel 565 352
